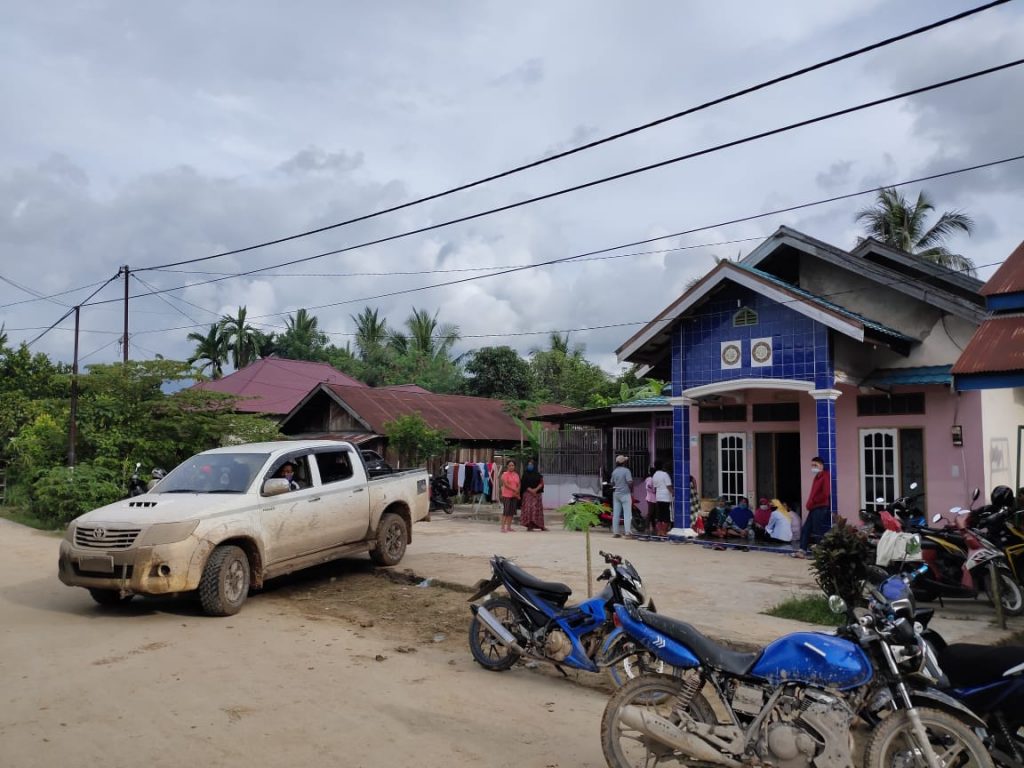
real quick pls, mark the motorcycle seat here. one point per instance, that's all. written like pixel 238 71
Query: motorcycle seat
pixel 532 582
pixel 968 665
pixel 704 648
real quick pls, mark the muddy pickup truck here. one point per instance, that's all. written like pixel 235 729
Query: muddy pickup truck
pixel 229 519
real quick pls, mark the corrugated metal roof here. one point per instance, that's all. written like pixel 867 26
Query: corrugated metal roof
pixel 275 385
pixel 407 388
pixel 644 402
pixel 867 322
pixel 916 376
pixel 996 347
pixel 1009 278
pixel 460 417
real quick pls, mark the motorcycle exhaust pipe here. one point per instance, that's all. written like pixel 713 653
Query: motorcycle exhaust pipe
pixel 664 732
pixel 497 629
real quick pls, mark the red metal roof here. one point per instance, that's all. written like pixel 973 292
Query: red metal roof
pixel 275 385
pixel 1009 278
pixel 407 388
pixel 460 417
pixel 996 347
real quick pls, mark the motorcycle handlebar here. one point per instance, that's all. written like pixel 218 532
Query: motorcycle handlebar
pixel 610 558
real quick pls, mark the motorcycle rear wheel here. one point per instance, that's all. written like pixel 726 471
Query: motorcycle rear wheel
pixel 1010 594
pixel 893 744
pixel 657 695
pixel 641 663
pixel 487 650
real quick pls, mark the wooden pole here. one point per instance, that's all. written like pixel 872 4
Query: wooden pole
pixel 73 425
pixel 124 339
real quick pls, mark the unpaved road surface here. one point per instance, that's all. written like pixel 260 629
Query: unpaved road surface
pixel 336 667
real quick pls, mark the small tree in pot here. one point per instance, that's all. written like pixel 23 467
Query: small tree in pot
pixel 840 562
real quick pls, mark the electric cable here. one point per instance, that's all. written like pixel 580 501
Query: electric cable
pixel 613 137
pixel 32 292
pixel 603 180
pixel 50 296
pixel 72 309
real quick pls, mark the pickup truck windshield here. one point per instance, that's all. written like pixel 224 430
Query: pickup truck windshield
pixel 214 473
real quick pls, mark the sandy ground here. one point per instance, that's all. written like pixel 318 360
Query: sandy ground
pixel 305 675
pixel 340 664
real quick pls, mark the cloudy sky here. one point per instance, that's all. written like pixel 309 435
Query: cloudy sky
pixel 147 133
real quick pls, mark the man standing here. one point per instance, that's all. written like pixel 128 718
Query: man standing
pixel 622 497
pixel 819 505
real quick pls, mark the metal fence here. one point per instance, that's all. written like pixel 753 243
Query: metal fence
pixel 573 451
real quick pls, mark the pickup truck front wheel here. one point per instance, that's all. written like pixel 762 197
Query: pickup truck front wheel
pixel 392 536
pixel 225 581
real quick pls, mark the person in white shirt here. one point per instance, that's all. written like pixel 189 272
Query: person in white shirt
pixel 779 528
pixel 662 499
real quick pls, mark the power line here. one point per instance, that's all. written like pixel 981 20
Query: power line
pixel 164 299
pixel 72 309
pixel 606 179
pixel 31 292
pixel 50 296
pixel 613 137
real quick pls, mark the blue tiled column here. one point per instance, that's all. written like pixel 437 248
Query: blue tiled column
pixel 681 465
pixel 825 411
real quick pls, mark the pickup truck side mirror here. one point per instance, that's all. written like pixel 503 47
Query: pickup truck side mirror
pixel 274 486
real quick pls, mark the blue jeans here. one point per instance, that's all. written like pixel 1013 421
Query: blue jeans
pixel 622 509
pixel 818 521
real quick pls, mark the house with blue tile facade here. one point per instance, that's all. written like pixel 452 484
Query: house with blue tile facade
pixel 805 349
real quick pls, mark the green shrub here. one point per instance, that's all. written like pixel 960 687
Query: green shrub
pixel 61 494
pixel 840 562
pixel 812 609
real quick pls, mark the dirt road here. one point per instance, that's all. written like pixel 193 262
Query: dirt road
pixel 305 675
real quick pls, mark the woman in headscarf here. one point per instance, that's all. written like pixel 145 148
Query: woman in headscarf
pixel 532 513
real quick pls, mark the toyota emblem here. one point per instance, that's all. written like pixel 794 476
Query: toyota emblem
pixel 99 533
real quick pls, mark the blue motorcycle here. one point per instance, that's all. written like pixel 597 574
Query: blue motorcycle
pixel 794 703
pixel 535 621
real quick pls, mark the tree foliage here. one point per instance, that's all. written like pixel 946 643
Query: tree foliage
pixel 498 372
pixel 413 439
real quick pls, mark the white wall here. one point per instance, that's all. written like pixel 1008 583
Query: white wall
pixel 1002 414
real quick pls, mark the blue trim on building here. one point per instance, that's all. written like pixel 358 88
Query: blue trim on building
pixel 902 377
pixel 969 382
pixel 1004 302
pixel 825 414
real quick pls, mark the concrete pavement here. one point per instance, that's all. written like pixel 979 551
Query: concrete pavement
pixel 722 593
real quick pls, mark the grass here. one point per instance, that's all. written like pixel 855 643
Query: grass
pixel 20 516
pixel 812 609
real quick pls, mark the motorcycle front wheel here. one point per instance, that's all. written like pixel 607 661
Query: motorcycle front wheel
pixel 487 650
pixel 656 696
pixel 1010 595
pixel 893 743
pixel 625 669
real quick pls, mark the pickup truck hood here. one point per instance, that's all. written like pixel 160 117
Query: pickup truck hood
pixel 152 508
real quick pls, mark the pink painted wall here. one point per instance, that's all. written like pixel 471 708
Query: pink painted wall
pixel 950 473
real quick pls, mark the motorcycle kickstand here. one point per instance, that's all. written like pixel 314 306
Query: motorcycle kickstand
pixel 564 673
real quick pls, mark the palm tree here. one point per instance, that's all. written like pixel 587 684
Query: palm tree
pixel 3 335
pixel 241 337
pixel 371 332
pixel 897 222
pixel 425 337
pixel 211 350
pixel 302 339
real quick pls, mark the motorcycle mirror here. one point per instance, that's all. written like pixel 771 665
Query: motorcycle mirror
pixel 955 510
pixel 963 512
pixel 880 500
pixel 976 494
pixel 137 465
pixel 913 486
pixel 937 517
pixel 836 604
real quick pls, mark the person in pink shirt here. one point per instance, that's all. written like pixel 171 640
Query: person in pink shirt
pixel 510 491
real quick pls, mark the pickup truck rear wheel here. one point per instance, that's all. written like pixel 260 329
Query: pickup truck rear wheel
pixel 392 536
pixel 109 596
pixel 225 581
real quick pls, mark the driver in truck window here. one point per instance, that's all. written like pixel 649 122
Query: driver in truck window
pixel 287 471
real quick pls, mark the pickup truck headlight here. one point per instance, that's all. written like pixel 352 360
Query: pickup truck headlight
pixel 167 533
pixel 69 534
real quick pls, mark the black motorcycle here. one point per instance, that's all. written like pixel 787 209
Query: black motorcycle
pixel 441 494
pixel 136 485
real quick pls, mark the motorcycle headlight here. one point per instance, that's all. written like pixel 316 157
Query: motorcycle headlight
pixel 167 533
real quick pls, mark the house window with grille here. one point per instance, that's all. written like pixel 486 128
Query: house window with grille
pixel 744 317
pixel 723 465
pixel 891 461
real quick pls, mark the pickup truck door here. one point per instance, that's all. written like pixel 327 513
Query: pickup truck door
pixel 293 521
pixel 344 495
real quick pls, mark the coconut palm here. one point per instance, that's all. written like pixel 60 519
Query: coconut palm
pixel 897 222
pixel 241 338
pixel 371 333
pixel 426 337
pixel 211 350
pixel 302 339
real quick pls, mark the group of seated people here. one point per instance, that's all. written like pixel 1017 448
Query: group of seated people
pixel 770 522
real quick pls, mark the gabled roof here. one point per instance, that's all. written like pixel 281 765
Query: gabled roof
pixel 996 347
pixel 655 335
pixel 460 417
pixel 1009 278
pixel 928 283
pixel 275 385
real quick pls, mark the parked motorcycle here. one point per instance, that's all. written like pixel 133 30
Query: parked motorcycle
pixel 905 511
pixel 990 681
pixel 136 485
pixel 794 702
pixel 535 622
pixel 441 494
pixel 1001 524
pixel 639 522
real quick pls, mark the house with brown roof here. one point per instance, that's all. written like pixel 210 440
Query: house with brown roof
pixel 992 364
pixel 477 428
pixel 273 386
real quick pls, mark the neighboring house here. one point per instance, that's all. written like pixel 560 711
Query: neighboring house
pixel 477 428
pixel 804 349
pixel 274 385
pixel 993 363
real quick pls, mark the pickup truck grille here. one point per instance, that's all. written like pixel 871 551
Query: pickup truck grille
pixel 95 537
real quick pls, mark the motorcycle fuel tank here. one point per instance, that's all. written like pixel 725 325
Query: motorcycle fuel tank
pixel 814 659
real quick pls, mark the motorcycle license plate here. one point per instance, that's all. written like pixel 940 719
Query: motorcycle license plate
pixel 97 564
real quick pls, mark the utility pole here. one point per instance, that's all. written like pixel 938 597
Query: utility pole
pixel 73 426
pixel 124 339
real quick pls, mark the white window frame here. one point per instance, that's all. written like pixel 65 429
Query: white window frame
pixel 732 483
pixel 894 433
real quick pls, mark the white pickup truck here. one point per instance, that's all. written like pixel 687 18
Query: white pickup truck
pixel 228 519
